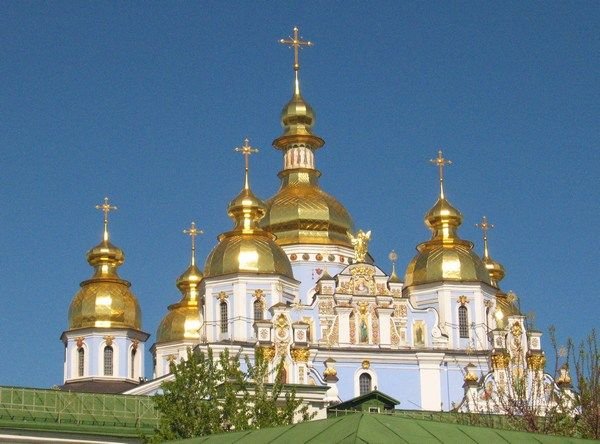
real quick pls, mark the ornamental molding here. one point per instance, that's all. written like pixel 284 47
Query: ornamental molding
pixel 462 300
pixel 300 354
pixel 79 340
pixel 109 340
pixel 222 296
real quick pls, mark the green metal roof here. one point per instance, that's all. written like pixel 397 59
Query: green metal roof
pixel 379 428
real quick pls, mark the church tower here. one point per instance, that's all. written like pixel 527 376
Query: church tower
pixel 180 328
pixel 104 345
pixel 311 225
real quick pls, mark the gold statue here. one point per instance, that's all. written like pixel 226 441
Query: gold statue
pixel 361 244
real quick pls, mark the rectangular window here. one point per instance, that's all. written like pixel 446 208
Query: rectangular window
pixel 463 322
pixel 81 361
pixel 224 319
pixel 108 361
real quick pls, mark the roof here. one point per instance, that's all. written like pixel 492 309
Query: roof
pixel 379 428
pixel 374 394
pixel 98 386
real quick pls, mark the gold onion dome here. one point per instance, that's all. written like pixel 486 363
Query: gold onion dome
pixel 105 300
pixel 183 319
pixel 247 248
pixel 301 212
pixel 445 257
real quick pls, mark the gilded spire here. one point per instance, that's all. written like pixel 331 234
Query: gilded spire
pixel 193 232
pixel 485 226
pixel 393 257
pixel 106 208
pixel 296 43
pixel 440 162
pixel 246 151
pixel 495 269
pixel 246 209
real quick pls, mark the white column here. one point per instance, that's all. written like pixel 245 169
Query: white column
pixel 430 376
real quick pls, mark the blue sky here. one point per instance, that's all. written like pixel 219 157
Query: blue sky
pixel 145 101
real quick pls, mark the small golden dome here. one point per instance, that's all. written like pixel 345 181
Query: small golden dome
pixel 247 248
pixel 183 319
pixel 446 257
pixel 302 213
pixel 105 300
pixel 495 270
pixel 506 304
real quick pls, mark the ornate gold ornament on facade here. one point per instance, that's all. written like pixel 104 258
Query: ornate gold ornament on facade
pixel 268 352
pixel 300 354
pixel 360 244
pixel 516 329
pixel 500 360
pixel 366 364
pixel 326 307
pixel 259 294
pixel 109 340
pixel 222 296
pixel 330 370
pixel 135 344
pixel 462 300
pixel 170 358
pixel 536 361
pixel 470 375
pixel 79 341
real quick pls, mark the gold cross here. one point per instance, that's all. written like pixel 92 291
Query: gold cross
pixel 246 151
pixel 296 42
pixel 485 226
pixel 440 162
pixel 193 232
pixel 106 208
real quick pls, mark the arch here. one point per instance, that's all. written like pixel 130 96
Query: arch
pixel 133 362
pixel 80 362
pixel 362 376
pixel 108 355
pixel 258 310
pixel 463 322
pixel 224 317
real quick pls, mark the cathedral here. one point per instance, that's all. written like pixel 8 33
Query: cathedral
pixel 294 278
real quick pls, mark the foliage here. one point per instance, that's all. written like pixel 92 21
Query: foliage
pixel 208 395
pixel 587 375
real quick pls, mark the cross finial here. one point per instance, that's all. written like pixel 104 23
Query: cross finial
pixel 193 232
pixel 106 208
pixel 485 226
pixel 246 151
pixel 296 43
pixel 440 162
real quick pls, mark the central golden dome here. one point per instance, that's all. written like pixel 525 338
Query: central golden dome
pixel 301 212
pixel 105 300
pixel 247 248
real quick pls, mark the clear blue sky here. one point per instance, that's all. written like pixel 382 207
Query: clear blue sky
pixel 145 101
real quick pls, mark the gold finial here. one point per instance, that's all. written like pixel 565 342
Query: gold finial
pixel 485 226
pixel 193 232
pixel 246 151
pixel 393 257
pixel 440 162
pixel 106 208
pixel 296 43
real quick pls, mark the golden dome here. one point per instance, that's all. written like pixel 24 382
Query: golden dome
pixel 302 213
pixel 445 257
pixel 495 269
pixel 506 303
pixel 247 248
pixel 183 319
pixel 105 300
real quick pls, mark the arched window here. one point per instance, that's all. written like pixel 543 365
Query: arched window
pixel 80 361
pixel 224 320
pixel 282 375
pixel 133 353
pixel 258 310
pixel 364 383
pixel 108 360
pixel 463 322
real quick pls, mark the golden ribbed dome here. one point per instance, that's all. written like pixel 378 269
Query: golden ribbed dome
pixel 302 213
pixel 446 257
pixel 506 303
pixel 105 300
pixel 495 269
pixel 247 248
pixel 183 319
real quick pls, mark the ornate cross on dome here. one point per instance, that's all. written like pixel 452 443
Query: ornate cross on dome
pixel 246 151
pixel 193 232
pixel 296 43
pixel 106 208
pixel 440 162
pixel 485 226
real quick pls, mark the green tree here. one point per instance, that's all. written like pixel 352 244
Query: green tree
pixel 586 361
pixel 208 395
